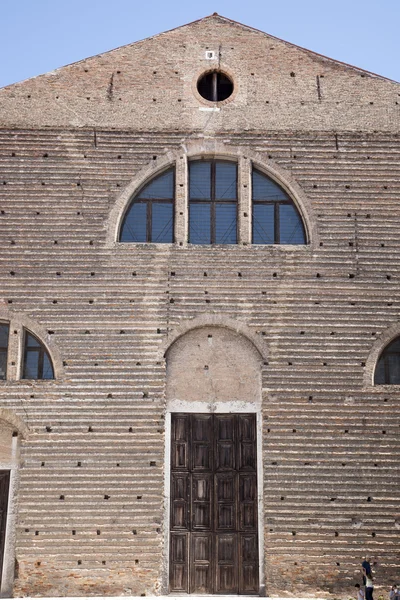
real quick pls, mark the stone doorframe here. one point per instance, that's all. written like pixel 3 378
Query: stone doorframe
pixel 16 430
pixel 182 406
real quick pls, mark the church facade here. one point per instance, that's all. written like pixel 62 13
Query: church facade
pixel 199 321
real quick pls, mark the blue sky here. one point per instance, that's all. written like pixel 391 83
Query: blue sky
pixel 41 35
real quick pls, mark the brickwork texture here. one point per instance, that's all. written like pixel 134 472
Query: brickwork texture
pixel 90 499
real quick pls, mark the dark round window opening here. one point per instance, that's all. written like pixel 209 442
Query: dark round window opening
pixel 215 86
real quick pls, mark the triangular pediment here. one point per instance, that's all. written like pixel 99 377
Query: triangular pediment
pixel 150 85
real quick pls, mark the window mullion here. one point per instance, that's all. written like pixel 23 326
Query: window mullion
pixel 149 213
pixel 40 363
pixel 243 201
pixel 212 207
pixel 215 87
pixel 277 236
pixel 181 201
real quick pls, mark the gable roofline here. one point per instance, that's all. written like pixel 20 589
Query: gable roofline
pixel 274 37
pixel 215 16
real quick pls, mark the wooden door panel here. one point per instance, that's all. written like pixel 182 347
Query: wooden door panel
pixel 227 566
pixel 248 501
pixel 202 456
pixel 248 564
pixel 225 456
pixel 180 500
pixel 178 578
pixel 202 488
pixel 226 517
pixel 202 547
pixel 201 580
pixel 225 427
pixel 202 428
pixel 180 439
pixel 226 488
pixel 214 548
pixel 4 489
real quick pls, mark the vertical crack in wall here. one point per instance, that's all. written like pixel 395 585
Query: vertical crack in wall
pixel 110 88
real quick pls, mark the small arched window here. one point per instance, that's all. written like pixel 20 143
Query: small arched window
pixel 4 331
pixel 150 216
pixel 276 219
pixel 37 363
pixel 212 202
pixel 388 367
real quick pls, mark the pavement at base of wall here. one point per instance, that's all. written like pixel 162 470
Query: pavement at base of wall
pixel 173 598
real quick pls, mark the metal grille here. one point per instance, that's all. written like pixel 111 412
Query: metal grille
pixel 212 202
pixel 150 216
pixel 276 219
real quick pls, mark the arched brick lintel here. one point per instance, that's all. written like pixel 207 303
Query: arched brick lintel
pixel 215 321
pixel 11 419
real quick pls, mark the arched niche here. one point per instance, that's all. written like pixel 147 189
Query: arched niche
pixel 213 364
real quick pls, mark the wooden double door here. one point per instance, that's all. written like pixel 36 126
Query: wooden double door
pixel 214 509
pixel 4 487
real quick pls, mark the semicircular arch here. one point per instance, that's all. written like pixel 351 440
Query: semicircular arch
pixel 386 337
pixel 14 421
pixel 208 320
pixel 20 322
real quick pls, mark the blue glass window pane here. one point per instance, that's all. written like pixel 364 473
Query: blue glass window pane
pixel 31 367
pixel 134 227
pixel 266 189
pixel 200 223
pixel 225 181
pixel 263 224
pixel 394 368
pixel 394 346
pixel 380 372
pixel 3 364
pixel 3 335
pixel 162 221
pixel 159 188
pixel 31 341
pixel 47 368
pixel 200 180
pixel 225 223
pixel 291 226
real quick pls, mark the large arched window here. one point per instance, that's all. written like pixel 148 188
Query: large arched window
pixel 276 219
pixel 212 202
pixel 37 363
pixel 388 367
pixel 202 207
pixel 150 216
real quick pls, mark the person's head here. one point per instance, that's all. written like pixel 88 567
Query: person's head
pixel 367 557
pixel 357 586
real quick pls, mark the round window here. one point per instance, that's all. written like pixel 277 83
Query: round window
pixel 215 86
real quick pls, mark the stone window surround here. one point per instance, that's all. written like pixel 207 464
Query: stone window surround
pixel 18 323
pixel 387 337
pixel 212 149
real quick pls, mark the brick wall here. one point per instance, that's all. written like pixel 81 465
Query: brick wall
pixel 90 499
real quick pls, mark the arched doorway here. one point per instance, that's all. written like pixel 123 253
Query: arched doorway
pixel 214 463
